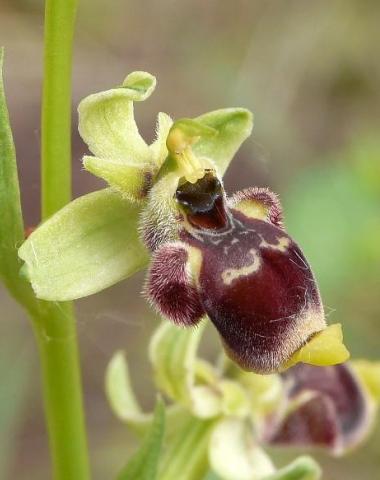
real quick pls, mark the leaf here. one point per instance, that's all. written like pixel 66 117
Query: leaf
pixel 15 374
pixel 144 463
pixel 233 455
pixel 233 126
pixel 89 245
pixel 120 393
pixel 303 468
pixel 11 224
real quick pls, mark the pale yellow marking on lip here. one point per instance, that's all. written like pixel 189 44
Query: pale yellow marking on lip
pixel 252 209
pixel 231 274
pixel 194 263
pixel 281 246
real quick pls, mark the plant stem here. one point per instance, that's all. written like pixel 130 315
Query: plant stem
pixel 56 338
pixel 56 105
pixel 54 325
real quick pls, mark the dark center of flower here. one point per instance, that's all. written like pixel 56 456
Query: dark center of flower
pixel 203 202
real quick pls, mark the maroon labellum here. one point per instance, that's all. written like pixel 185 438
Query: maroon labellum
pixel 327 407
pixel 238 266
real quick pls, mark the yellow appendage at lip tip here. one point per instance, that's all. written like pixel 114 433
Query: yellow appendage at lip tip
pixel 324 349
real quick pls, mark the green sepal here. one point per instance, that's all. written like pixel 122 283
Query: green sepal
pixel 144 463
pixel 107 124
pixel 11 223
pixel 120 394
pixel 303 468
pixel 89 245
pixel 233 126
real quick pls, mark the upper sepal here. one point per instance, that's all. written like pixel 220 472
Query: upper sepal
pixel 107 125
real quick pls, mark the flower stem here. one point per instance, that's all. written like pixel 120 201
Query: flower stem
pixel 56 338
pixel 54 324
pixel 56 105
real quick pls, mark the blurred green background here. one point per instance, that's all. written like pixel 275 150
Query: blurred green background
pixel 310 72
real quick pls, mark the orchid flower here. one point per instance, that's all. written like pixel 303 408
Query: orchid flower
pixel 229 258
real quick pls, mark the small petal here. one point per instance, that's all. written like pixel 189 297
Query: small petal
pixel 233 455
pixel 158 147
pixel 86 247
pixel 131 179
pixel 233 126
pixel 107 124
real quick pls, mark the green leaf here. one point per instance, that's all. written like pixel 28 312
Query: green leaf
pixel 11 223
pixel 86 247
pixel 303 468
pixel 16 374
pixel 233 454
pixel 144 463
pixel 107 124
pixel 233 126
pixel 120 393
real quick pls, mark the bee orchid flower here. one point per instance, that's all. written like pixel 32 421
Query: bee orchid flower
pixel 227 258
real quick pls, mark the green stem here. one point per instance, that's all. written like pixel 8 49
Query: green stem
pixel 54 325
pixel 56 338
pixel 56 105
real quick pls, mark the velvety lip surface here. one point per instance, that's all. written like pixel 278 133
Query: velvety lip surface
pixel 258 290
